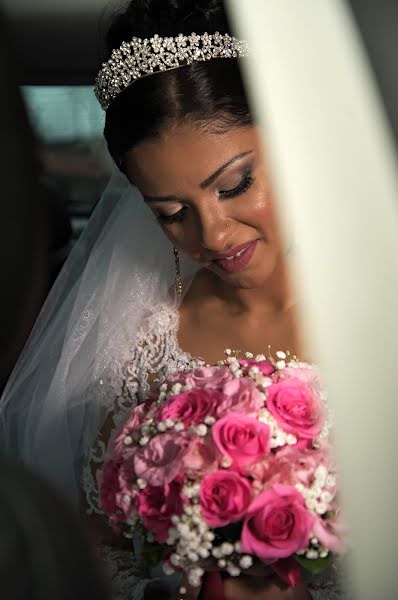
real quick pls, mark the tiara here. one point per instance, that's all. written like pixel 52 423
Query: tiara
pixel 142 57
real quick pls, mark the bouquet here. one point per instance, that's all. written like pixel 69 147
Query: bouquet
pixel 231 463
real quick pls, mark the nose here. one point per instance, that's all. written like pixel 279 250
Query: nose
pixel 216 229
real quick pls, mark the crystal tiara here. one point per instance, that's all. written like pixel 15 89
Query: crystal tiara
pixel 142 57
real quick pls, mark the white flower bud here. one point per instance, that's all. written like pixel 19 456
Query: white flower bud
pixel 128 440
pixel 312 554
pixel 227 548
pixel 222 563
pixel 210 420
pixel 280 354
pixel 238 547
pixel 141 483
pixel 246 561
pixel 233 570
pixel 175 559
pixel 228 351
pixel 193 557
pixel 326 497
pixel 161 426
pixel 280 364
pixel 169 423
pixel 201 430
pixel 179 427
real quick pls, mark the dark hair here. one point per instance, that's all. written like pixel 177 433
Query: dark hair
pixel 211 93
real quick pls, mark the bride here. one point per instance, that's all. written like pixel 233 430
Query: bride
pixel 181 259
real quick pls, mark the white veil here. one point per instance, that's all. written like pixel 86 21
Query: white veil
pixel 121 265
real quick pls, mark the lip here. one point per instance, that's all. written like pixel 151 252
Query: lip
pixel 232 252
pixel 240 262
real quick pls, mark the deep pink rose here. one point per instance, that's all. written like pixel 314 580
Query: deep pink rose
pixel 201 458
pixel 241 395
pixel 110 487
pixel 156 506
pixel 243 439
pixel 224 497
pixel 266 368
pixel 277 525
pixel 205 377
pixel 159 461
pixel 192 407
pixel 296 408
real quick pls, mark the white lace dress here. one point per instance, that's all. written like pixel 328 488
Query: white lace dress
pixel 155 356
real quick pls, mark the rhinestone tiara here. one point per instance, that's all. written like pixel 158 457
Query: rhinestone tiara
pixel 142 57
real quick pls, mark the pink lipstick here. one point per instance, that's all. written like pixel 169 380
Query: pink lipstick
pixel 237 259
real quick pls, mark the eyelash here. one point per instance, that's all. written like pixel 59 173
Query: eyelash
pixel 240 189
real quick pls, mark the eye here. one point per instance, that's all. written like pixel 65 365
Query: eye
pixel 174 218
pixel 245 183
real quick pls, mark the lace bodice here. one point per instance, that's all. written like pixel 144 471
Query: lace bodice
pixel 155 356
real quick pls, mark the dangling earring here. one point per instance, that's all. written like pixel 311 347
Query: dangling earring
pixel 178 278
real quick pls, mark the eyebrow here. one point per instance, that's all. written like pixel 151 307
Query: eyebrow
pixel 207 182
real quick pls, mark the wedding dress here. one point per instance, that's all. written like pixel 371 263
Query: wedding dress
pixel 106 331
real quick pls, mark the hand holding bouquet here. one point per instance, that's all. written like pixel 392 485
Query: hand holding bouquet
pixel 229 462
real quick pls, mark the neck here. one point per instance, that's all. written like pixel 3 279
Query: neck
pixel 275 295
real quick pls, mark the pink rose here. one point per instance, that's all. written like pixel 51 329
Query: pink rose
pixel 224 498
pixel 296 408
pixel 243 439
pixel 205 377
pixel 277 525
pixel 157 505
pixel 201 457
pixel 266 368
pixel 192 407
pixel 159 461
pixel 241 395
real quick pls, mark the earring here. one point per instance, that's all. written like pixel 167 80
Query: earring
pixel 178 278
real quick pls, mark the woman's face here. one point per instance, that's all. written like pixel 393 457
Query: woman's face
pixel 212 196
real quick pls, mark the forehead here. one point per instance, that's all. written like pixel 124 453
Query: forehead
pixel 185 155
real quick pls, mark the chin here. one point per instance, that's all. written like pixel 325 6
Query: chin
pixel 249 279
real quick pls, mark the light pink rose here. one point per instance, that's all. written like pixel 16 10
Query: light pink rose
pixel 157 505
pixel 296 408
pixel 117 446
pixel 192 407
pixel 241 395
pixel 205 377
pixel 243 439
pixel 266 368
pixel 303 462
pixel 277 525
pixel 224 497
pixel 201 458
pixel 159 461
pixel 308 374
pixel 332 533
